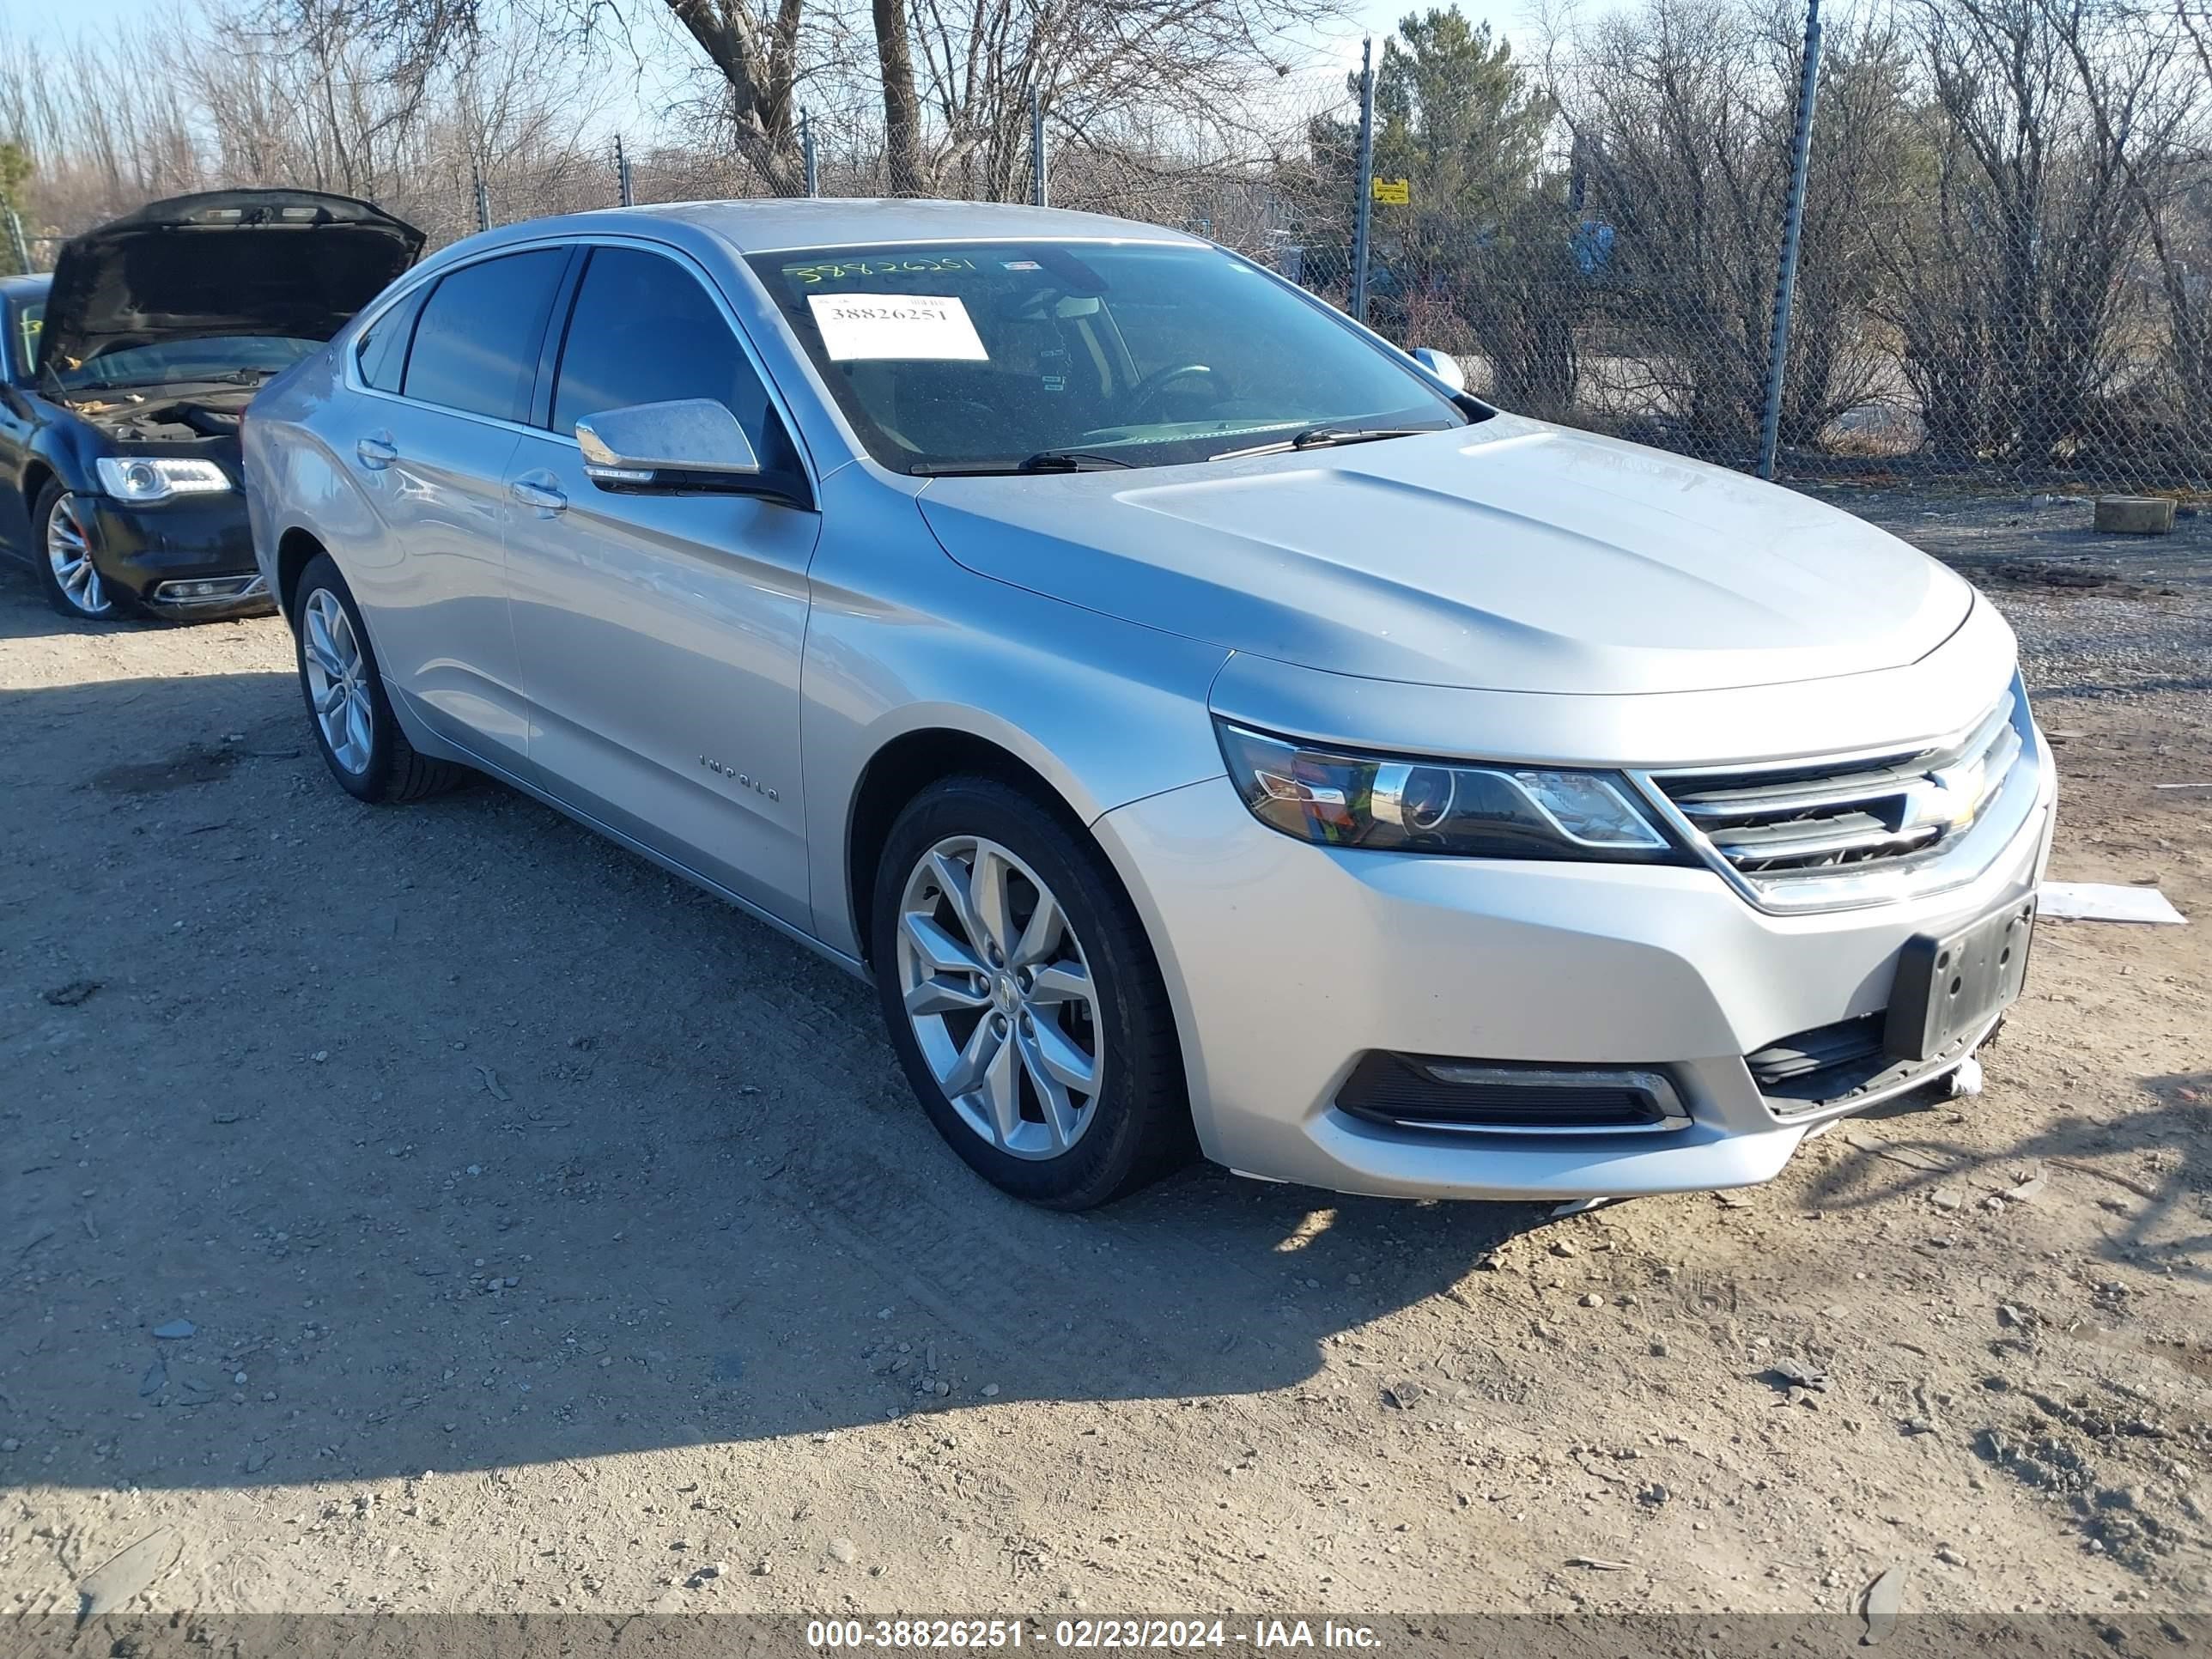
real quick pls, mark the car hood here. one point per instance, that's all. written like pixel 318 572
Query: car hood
pixel 1509 555
pixel 292 263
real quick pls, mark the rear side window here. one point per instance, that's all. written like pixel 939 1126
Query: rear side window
pixel 644 331
pixel 383 348
pixel 475 346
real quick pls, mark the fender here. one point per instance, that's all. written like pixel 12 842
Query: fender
pixel 1108 712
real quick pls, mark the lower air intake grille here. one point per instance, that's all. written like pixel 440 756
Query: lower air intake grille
pixel 1417 1092
pixel 1822 1063
pixel 1829 1065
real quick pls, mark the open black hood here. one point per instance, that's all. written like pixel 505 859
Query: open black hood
pixel 291 263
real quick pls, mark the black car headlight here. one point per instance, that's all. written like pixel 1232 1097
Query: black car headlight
pixel 1340 799
pixel 142 479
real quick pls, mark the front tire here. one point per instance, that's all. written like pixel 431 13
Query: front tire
pixel 72 583
pixel 347 708
pixel 1024 999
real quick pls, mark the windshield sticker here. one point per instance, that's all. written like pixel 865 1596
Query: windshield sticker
pixel 836 270
pixel 859 327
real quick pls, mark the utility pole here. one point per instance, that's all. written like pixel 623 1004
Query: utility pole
pixel 483 197
pixel 623 190
pixel 1793 226
pixel 1040 186
pixel 806 147
pixel 1364 208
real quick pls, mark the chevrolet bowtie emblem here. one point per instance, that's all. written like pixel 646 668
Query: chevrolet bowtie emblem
pixel 1946 799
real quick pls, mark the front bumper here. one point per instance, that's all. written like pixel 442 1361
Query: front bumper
pixel 159 554
pixel 1287 963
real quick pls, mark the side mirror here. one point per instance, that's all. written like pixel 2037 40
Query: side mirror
pixel 1443 366
pixel 693 441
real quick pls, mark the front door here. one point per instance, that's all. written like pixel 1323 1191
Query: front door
pixel 659 635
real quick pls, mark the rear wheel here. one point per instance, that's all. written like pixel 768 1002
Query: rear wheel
pixel 72 582
pixel 1024 999
pixel 354 725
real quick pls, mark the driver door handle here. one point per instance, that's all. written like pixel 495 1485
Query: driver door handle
pixel 377 452
pixel 537 490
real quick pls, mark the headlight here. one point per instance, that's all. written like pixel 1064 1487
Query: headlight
pixel 141 478
pixel 1344 799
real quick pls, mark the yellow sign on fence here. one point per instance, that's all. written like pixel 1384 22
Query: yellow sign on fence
pixel 1395 192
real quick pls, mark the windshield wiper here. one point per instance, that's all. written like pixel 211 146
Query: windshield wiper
pixel 1326 437
pixel 1045 460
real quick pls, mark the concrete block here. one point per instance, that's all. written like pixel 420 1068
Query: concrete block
pixel 2135 516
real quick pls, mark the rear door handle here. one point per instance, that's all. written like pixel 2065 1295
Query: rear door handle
pixel 534 492
pixel 377 452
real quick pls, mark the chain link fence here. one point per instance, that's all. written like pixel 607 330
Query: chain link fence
pixel 1976 298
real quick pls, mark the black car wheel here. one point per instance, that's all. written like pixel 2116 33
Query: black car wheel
pixel 72 582
pixel 354 725
pixel 1024 998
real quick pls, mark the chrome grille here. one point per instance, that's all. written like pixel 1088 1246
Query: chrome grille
pixel 1850 831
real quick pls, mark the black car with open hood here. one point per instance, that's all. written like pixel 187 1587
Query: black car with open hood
pixel 125 376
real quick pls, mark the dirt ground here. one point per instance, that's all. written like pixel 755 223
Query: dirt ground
pixel 438 1209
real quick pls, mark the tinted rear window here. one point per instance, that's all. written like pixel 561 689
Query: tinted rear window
pixel 476 347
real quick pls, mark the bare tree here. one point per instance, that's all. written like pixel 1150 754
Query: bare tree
pixel 2154 125
pixel 330 110
pixel 2009 283
pixel 1681 111
pixel 951 80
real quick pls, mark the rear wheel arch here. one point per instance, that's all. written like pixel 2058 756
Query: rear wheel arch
pixel 295 551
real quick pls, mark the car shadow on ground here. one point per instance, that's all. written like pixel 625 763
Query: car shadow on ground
pixel 2164 1215
pixel 349 1142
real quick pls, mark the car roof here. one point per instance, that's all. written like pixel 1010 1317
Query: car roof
pixel 25 288
pixel 790 225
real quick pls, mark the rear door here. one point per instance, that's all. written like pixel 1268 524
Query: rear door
pixel 448 375
pixel 659 635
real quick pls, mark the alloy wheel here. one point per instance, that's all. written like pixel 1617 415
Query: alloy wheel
pixel 337 680
pixel 1000 998
pixel 69 553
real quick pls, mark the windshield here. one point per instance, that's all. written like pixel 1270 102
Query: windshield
pixel 990 356
pixel 247 357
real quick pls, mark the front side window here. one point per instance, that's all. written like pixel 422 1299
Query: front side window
pixel 968 356
pixel 475 345
pixel 643 330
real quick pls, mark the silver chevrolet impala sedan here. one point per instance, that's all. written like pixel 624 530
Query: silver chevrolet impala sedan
pixel 1209 725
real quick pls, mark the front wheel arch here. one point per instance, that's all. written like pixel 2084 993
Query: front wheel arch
pixel 1139 1123
pixel 901 771
pixel 36 477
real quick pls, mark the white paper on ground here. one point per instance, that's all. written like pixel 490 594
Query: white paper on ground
pixel 2097 901
pixel 861 327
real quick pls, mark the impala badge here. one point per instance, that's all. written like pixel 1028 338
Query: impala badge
pixel 739 778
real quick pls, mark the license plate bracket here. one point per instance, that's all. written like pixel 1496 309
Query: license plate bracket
pixel 1950 985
